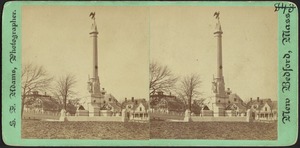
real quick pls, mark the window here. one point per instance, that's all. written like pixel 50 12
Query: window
pixel 109 99
pixel 140 108
pixel 266 109
pixel 228 101
pixel 104 102
pixel 234 99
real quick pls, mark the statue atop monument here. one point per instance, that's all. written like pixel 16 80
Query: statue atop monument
pixel 94 26
pixel 217 15
pixel 92 15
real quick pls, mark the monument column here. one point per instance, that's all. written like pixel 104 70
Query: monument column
pixel 95 79
pixel 94 35
pixel 220 96
pixel 219 80
pixel 218 34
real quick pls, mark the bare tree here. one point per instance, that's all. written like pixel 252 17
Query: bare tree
pixel 64 88
pixel 188 88
pixel 161 78
pixel 34 78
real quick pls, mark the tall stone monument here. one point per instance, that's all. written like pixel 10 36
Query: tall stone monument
pixel 97 95
pixel 218 85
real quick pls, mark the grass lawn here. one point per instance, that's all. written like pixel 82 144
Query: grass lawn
pixel 84 130
pixel 213 130
pixel 159 130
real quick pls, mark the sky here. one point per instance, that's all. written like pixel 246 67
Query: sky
pixel 57 37
pixel 182 38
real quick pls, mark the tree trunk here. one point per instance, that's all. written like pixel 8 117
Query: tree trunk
pixel 190 100
pixel 65 104
pixel 22 107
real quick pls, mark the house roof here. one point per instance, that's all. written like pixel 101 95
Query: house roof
pixel 261 102
pixel 173 104
pixel 47 102
pixel 156 99
pixel 240 106
pixel 135 103
pixel 115 106
pixel 239 100
pixel 107 96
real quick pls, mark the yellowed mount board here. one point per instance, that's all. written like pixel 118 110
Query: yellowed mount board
pixel 249 47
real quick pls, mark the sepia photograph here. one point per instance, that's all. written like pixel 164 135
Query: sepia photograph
pixel 149 72
pixel 213 73
pixel 85 72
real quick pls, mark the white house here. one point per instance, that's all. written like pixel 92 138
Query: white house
pixel 136 109
pixel 263 109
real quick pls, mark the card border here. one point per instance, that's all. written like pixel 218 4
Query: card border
pixel 287 133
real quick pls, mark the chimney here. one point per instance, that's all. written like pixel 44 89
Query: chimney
pixel 257 99
pixel 136 102
pixel 125 99
pixel 132 99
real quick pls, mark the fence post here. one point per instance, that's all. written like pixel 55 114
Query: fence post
pixel 124 119
pixel 248 115
pixel 187 116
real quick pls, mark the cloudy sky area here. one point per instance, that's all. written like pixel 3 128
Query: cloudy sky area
pixel 129 37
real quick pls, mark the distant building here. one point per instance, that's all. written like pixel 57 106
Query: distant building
pixel 263 109
pixel 136 109
pixel 39 103
pixel 166 103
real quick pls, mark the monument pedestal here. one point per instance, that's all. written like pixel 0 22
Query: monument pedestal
pixel 94 110
pixel 105 113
